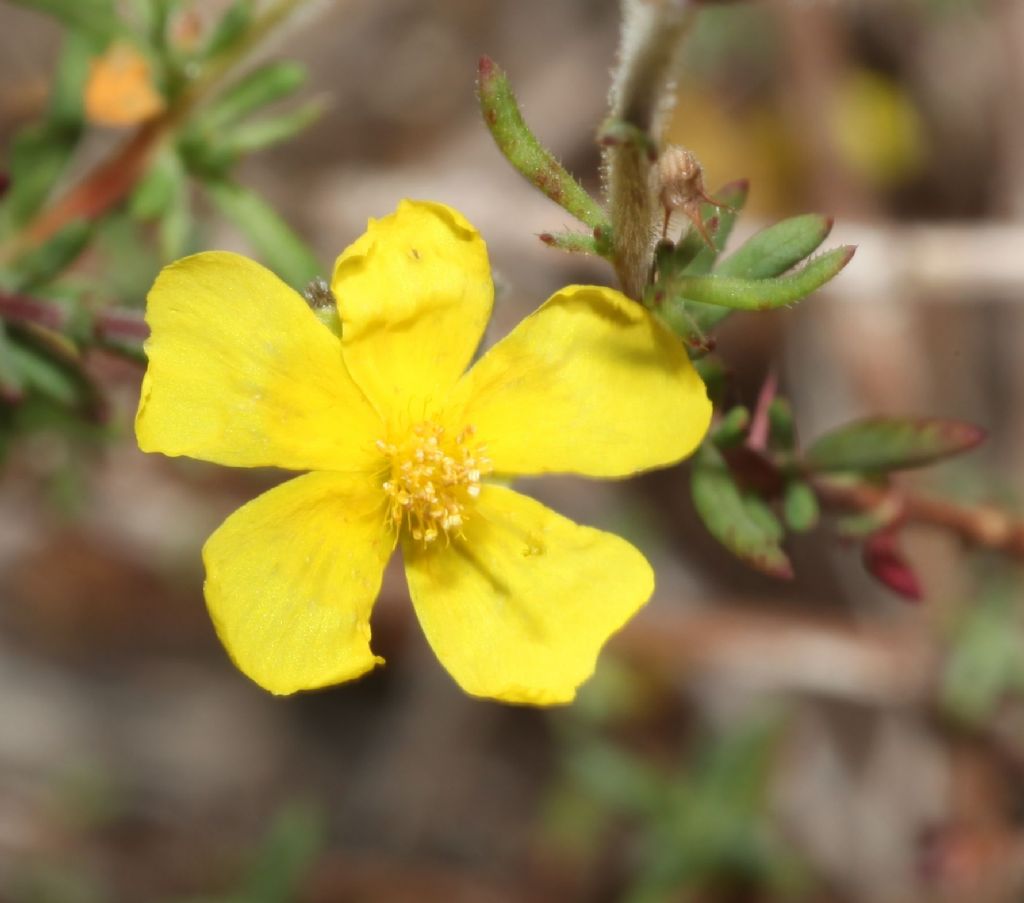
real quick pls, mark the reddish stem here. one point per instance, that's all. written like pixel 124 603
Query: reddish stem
pixel 977 525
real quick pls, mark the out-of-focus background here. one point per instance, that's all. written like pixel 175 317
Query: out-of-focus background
pixel 744 739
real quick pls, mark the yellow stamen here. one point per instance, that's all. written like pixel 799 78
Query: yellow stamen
pixel 432 479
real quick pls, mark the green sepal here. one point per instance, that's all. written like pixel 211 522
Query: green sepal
pixel 738 519
pixel 330 317
pixel 525 152
pixel 800 508
pixel 883 444
pixel 282 250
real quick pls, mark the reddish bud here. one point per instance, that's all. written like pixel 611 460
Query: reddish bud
pixel 884 561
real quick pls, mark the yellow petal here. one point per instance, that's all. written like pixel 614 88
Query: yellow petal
pixel 592 384
pixel 291 578
pixel 241 372
pixel 415 294
pixel 518 607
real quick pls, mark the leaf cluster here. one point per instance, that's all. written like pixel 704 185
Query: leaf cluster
pixel 137 210
pixel 752 484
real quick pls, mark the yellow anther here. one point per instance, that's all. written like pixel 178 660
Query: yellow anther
pixel 432 479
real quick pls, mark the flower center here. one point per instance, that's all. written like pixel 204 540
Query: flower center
pixel 433 477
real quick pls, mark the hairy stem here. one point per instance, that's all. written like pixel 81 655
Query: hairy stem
pixel 652 33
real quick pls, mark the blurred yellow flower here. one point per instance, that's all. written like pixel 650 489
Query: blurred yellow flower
pixel 119 90
pixel 515 600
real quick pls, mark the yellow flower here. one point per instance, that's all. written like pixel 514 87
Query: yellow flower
pixel 515 600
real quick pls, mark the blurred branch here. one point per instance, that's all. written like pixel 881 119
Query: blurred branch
pixel 109 326
pixel 979 525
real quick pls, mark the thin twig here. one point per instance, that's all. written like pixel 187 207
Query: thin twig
pixel 979 525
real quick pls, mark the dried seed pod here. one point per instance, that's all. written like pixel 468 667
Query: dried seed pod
pixel 681 187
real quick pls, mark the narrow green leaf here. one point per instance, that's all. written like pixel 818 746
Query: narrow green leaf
pixel 283 250
pixel 163 195
pixel 800 508
pixel 525 152
pixel 158 186
pixel 40 152
pixel 51 364
pixel 774 250
pixel 38 156
pixel 733 196
pixel 769 253
pixel 295 840
pixel 50 259
pixel 571 242
pixel 741 521
pixel 175 228
pixel 249 137
pixel 11 384
pixel 260 87
pixel 762 294
pixel 66 106
pixel 95 19
pixel 986 662
pixel 883 444
pixel 623 783
pixel 230 28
